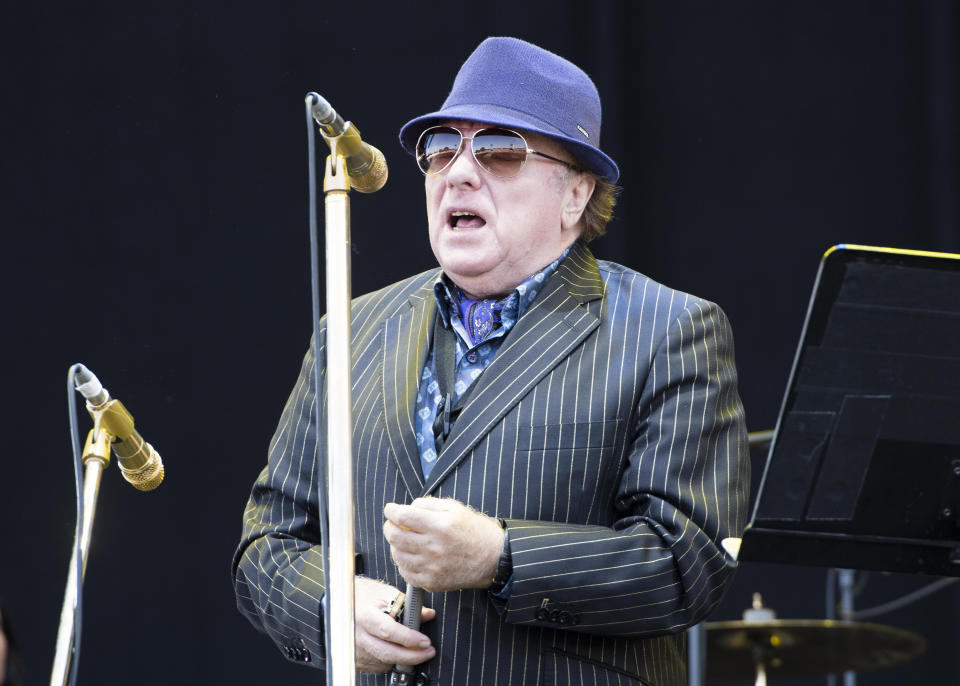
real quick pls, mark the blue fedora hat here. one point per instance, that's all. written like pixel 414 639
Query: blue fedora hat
pixel 509 82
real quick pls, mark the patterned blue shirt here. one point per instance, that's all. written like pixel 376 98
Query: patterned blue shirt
pixel 472 358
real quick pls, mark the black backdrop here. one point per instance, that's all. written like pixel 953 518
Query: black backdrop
pixel 154 228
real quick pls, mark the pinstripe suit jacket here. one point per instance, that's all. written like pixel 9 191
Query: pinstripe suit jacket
pixel 608 433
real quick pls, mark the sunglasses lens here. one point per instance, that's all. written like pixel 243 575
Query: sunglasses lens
pixel 499 151
pixel 436 148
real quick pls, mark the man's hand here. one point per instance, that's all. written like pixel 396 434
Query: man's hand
pixel 383 642
pixel 443 545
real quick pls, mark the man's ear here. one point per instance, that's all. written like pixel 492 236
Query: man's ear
pixel 576 196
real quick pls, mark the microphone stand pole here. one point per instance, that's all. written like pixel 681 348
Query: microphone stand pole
pixel 336 186
pixel 96 458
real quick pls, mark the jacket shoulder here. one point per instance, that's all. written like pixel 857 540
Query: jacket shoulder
pixel 643 291
pixel 395 298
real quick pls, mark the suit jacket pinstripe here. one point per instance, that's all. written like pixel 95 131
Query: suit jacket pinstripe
pixel 608 433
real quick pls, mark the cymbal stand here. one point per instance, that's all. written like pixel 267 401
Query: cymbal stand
pixel 758 613
pixel 843 580
pixel 760 662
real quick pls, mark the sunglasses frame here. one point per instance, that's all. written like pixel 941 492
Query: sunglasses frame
pixel 526 147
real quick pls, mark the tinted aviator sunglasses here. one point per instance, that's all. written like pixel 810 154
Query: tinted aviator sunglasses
pixel 498 151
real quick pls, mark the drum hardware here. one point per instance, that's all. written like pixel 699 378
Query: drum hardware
pixel 761 645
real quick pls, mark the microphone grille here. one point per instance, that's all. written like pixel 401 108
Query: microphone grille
pixel 374 178
pixel 146 477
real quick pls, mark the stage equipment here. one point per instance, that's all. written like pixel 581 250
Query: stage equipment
pixel 763 646
pixel 366 166
pixel 351 163
pixel 139 463
pixel 864 466
pixel 863 470
pixel 113 430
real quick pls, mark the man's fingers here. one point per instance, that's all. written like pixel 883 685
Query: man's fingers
pixel 411 520
pixel 395 632
pixel 376 655
pixel 409 517
pixel 404 539
pixel 383 642
pixel 436 504
pixel 390 654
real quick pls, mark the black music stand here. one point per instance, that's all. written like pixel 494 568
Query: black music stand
pixel 864 467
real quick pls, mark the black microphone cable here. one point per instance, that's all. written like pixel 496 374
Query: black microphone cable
pixel 77 552
pixel 317 400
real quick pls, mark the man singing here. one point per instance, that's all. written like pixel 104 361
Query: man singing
pixel 550 445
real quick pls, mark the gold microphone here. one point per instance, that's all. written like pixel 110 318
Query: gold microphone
pixel 139 463
pixel 366 165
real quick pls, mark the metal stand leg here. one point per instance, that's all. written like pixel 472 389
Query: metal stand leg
pixel 93 469
pixel 847 580
pixel 842 580
pixel 342 657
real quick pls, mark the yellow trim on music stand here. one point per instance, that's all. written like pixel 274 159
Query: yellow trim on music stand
pixel 895 251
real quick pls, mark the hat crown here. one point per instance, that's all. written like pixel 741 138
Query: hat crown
pixel 520 76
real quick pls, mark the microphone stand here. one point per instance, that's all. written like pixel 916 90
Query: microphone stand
pixel 336 186
pixel 370 173
pixel 96 458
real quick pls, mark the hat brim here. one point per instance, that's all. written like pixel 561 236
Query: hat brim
pixel 592 158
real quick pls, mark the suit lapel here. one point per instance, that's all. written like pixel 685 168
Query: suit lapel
pixel 556 323
pixel 405 339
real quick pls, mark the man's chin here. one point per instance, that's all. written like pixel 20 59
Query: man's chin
pixel 467 262
pixel 475 282
pixel 464 273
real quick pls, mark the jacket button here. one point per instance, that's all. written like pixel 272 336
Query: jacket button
pixel 542 614
pixel 575 619
pixel 565 618
pixel 554 615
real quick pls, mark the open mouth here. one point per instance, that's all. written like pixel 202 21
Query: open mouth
pixel 461 219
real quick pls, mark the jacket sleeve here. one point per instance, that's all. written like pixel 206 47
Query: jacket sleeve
pixel 684 488
pixel 278 566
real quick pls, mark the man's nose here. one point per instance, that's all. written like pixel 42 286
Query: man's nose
pixel 464 168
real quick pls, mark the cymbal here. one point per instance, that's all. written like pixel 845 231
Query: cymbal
pixel 805 647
